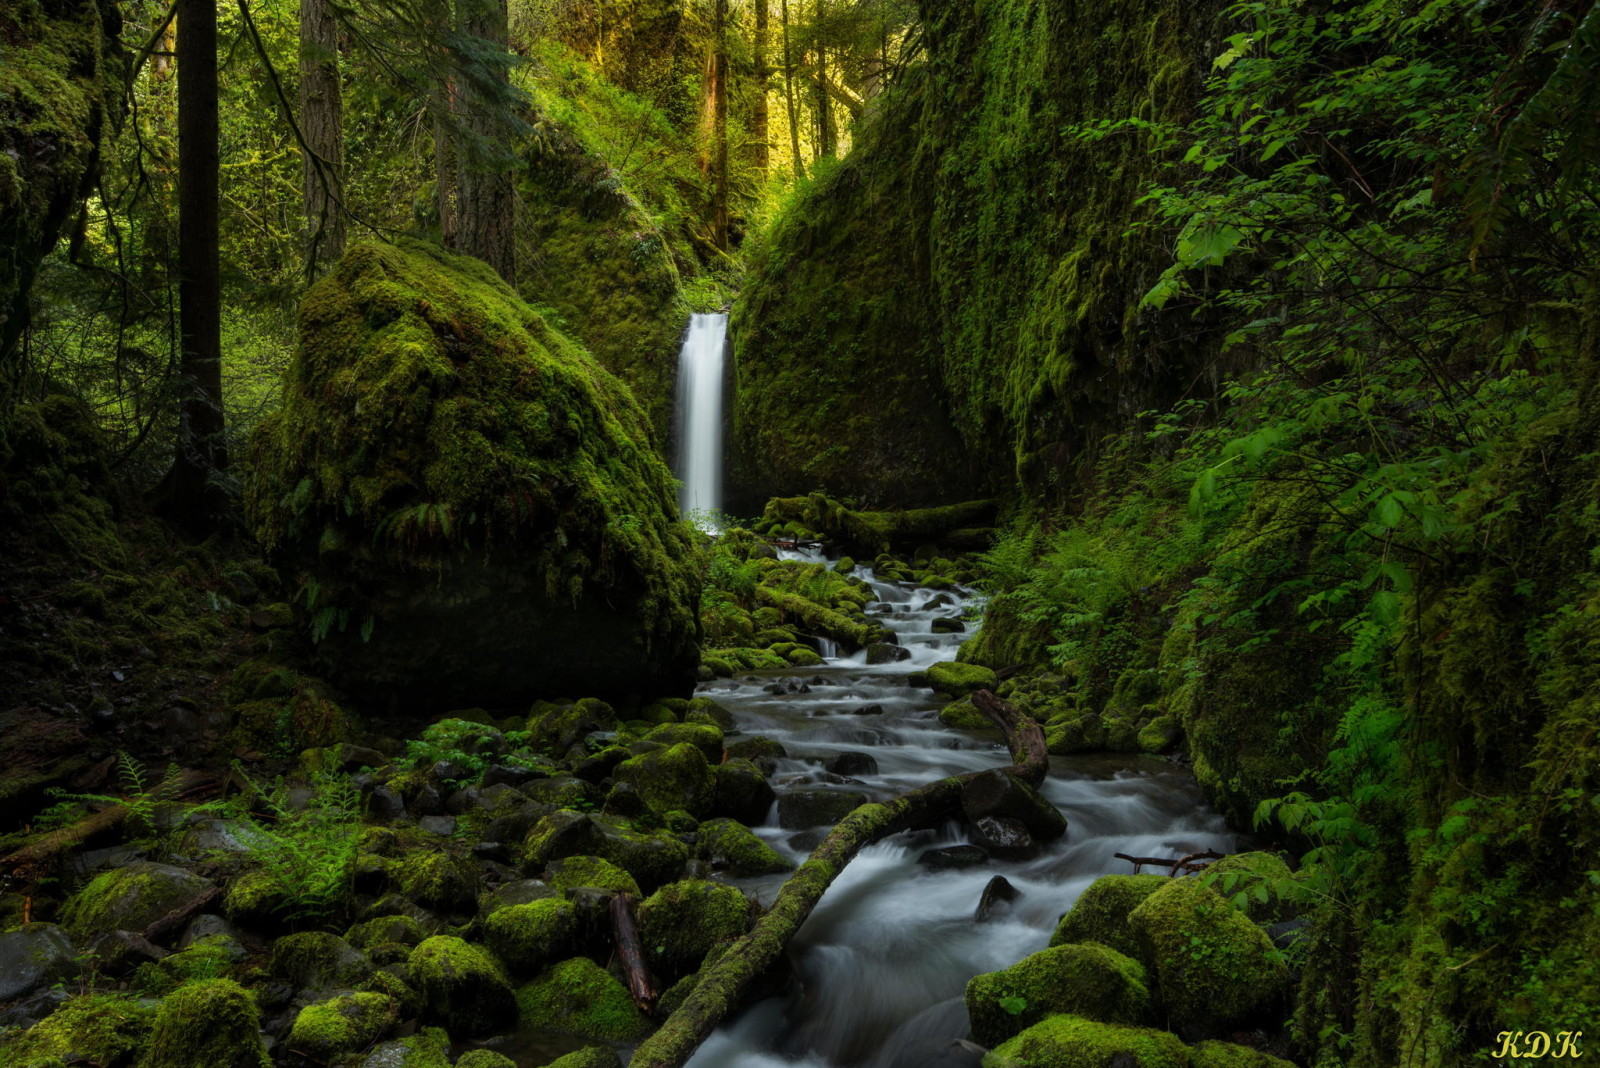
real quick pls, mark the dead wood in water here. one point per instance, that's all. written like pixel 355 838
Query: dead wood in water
pixel 723 983
pixel 630 948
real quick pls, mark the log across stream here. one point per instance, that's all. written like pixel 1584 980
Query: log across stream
pixel 880 965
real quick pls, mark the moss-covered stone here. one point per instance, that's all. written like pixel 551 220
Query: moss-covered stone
pixel 1259 883
pixel 559 727
pixel 1074 1042
pixel 91 1028
pixel 484 1058
pixel 962 715
pixel 344 1024
pixel 436 879
pixel 317 960
pixel 1162 734
pixel 1085 980
pixel 1212 966
pixel 476 502
pixel 462 987
pixel 730 845
pixel 706 737
pixel 677 777
pixel 960 680
pixel 741 791
pixel 651 859
pixel 571 872
pixel 680 923
pixel 593 1057
pixel 211 957
pixel 210 1024
pixel 1101 914
pixel 1228 1055
pixel 130 898
pixel 581 998
pixel 402 930
pixel 528 937
pixel 705 710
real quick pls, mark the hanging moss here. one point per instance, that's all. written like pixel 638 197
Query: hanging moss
pixel 468 502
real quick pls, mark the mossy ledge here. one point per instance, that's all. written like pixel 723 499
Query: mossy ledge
pixel 466 499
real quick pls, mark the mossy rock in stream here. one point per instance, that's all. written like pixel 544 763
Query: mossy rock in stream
pixel 673 779
pixel 581 998
pixel 469 502
pixel 651 859
pixel 1074 1042
pixel 680 923
pixel 730 845
pixel 1086 980
pixel 1101 914
pixel 528 937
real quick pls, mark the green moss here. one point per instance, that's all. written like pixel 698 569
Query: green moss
pixel 462 987
pixel 484 1058
pixel 437 879
pixel 1073 1042
pixel 528 937
pixel 571 872
pixel 706 737
pixel 581 998
pixel 726 843
pixel 1212 966
pixel 1259 883
pixel 492 429
pixel 680 923
pixel 344 1024
pixel 960 680
pixel 254 897
pixel 1101 914
pixel 673 778
pixel 1228 1055
pixel 211 1024
pixel 593 1057
pixel 97 1028
pixel 130 898
pixel 212 957
pixel 317 960
pixel 402 930
pixel 1162 734
pixel 1086 980
pixel 962 715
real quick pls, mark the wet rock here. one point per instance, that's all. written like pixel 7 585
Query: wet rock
pixel 873 709
pixel 580 997
pixel 938 1053
pixel 117 952
pixel 852 763
pixel 30 1010
pixel 497 852
pixel 651 859
pixel 730 845
pixel 131 898
pixel 341 1025
pixel 1088 980
pixel 884 653
pixel 529 937
pixel 624 800
pixel 509 774
pixel 996 895
pixel 688 919
pixel 316 963
pixel 428 802
pixel 514 826
pixel 741 792
pixel 520 893
pixel 958 856
pixel 673 779
pixel 948 625
pixel 384 805
pixel 438 880
pixel 413 1051
pixel 1289 932
pixel 958 679
pixel 995 793
pixel 1004 837
pixel 799 809
pixel 463 987
pixel 204 926
pixel 33 956
pixel 564 791
pixel 598 767
pixel 440 825
pixel 761 751
pixel 705 710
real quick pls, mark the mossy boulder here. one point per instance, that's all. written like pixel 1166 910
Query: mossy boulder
pixel 1074 1042
pixel 395 930
pixel 317 961
pixel 471 503
pixel 1213 968
pixel 340 1025
pixel 437 880
pixel 431 1049
pixel 1086 980
pixel 462 987
pixel 593 1057
pixel 210 1024
pixel 680 923
pixel 484 1058
pixel 962 715
pixel 651 859
pixel 572 872
pixel 1162 734
pixel 1101 914
pixel 1228 1055
pixel 705 710
pixel 741 791
pixel 960 680
pixel 581 998
pixel 1259 883
pixel 559 727
pixel 91 1028
pixel 675 778
pixel 705 737
pixel 730 845
pixel 528 937
pixel 131 898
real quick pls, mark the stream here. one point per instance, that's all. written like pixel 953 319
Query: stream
pixel 881 964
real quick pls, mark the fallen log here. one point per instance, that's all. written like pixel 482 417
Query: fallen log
pixel 1188 863
pixel 721 984
pixel 630 949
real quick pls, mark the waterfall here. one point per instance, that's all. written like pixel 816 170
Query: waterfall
pixel 700 388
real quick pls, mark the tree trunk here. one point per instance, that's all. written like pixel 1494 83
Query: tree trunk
pixel 827 140
pixel 198 499
pixel 720 986
pixel 789 97
pixel 760 117
pixel 322 123
pixel 487 193
pixel 719 129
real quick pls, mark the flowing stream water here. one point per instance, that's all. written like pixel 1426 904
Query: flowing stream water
pixel 700 391
pixel 880 966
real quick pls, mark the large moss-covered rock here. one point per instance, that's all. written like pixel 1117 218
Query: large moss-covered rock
pixel 1228 1055
pixel 211 1024
pixel 651 859
pixel 1101 913
pixel 470 503
pixel 92 1028
pixel 340 1025
pixel 1074 1042
pixel 582 998
pixel 729 844
pixel 528 937
pixel 673 779
pixel 60 86
pixel 1212 966
pixel 131 898
pixel 1084 980
pixel 463 987
pixel 680 923
pixel 317 961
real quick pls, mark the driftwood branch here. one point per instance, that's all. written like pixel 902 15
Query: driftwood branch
pixel 1192 862
pixel 721 984
pixel 171 920
pixel 630 948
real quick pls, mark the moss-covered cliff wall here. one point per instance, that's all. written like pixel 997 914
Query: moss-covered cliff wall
pixel 955 306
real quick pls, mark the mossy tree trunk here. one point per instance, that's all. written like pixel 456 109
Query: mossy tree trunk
pixel 721 985
pixel 487 198
pixel 719 127
pixel 201 455
pixel 827 138
pixel 760 116
pixel 322 123
pixel 788 94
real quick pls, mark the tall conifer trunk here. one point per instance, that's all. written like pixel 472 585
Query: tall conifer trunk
pixel 487 194
pixel 760 117
pixel 322 123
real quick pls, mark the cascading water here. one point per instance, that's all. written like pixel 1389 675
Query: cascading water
pixel 880 966
pixel 700 389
